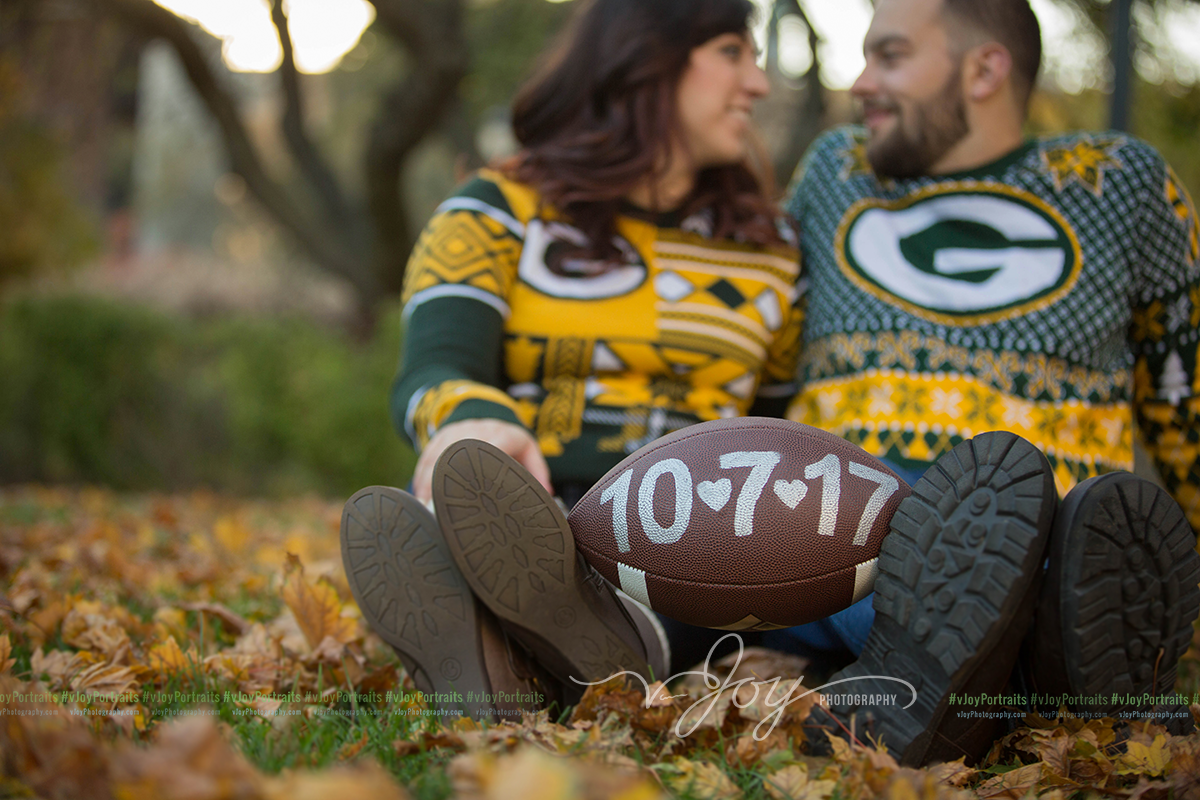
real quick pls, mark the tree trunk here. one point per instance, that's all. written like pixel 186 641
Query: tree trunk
pixel 365 243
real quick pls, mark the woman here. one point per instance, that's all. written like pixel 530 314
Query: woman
pixel 623 276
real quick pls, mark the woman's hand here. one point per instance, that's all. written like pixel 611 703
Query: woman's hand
pixel 512 439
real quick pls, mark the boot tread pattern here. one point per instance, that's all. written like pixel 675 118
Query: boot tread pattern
pixel 520 559
pixel 1135 592
pixel 408 588
pixel 960 558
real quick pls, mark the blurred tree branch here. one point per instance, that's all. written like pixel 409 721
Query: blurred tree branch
pixel 367 243
pixel 808 118
pixel 308 159
pixel 1097 12
pixel 433 34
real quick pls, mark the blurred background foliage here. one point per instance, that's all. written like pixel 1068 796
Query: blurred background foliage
pixel 43 225
pixel 1165 114
pixel 124 395
pixel 198 268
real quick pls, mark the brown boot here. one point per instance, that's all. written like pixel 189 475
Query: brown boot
pixel 414 597
pixel 652 633
pixel 515 549
pixel 518 684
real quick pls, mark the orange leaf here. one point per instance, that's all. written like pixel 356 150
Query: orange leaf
pixel 47 752
pixel 1053 747
pixel 317 608
pixel 93 631
pixel 6 662
pixel 45 621
pixel 188 760
pixel 404 748
pixel 105 679
pixel 1013 784
pixel 952 773
pixel 58 666
pixel 351 749
pixel 264 705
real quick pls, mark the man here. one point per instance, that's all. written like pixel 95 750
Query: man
pixel 964 279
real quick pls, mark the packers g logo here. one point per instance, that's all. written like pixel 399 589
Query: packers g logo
pixel 960 253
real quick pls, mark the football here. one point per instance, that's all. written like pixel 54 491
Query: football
pixel 741 524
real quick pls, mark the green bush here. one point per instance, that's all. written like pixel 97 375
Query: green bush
pixel 96 392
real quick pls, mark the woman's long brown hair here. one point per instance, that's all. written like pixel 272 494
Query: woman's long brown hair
pixel 599 116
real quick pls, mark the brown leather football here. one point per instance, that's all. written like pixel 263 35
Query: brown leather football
pixel 741 524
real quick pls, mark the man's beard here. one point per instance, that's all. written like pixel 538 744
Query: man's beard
pixel 939 124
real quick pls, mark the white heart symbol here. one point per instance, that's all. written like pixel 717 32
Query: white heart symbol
pixel 791 493
pixel 715 494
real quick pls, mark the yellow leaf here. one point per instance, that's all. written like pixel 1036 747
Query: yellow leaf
pixel 170 621
pixel 840 747
pixel 788 783
pixel 471 773
pixel 367 780
pixel 701 780
pixel 317 608
pixel 529 773
pixel 532 775
pixel 232 534
pixel 902 789
pixel 166 657
pixel 1140 759
pixel 642 790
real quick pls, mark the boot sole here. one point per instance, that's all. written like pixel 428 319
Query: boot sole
pixel 412 595
pixel 1121 586
pixel 517 553
pixel 957 572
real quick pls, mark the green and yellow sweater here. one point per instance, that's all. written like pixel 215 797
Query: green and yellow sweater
pixel 685 328
pixel 1054 293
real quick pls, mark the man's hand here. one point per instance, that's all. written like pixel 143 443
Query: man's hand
pixel 512 439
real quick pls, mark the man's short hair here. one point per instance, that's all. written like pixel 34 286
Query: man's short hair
pixel 1013 24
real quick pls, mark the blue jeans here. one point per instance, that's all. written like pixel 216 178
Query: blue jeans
pixel 845 630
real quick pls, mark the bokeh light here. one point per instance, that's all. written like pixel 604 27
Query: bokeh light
pixel 322 30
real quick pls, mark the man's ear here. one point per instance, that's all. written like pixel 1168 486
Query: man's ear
pixel 988 69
